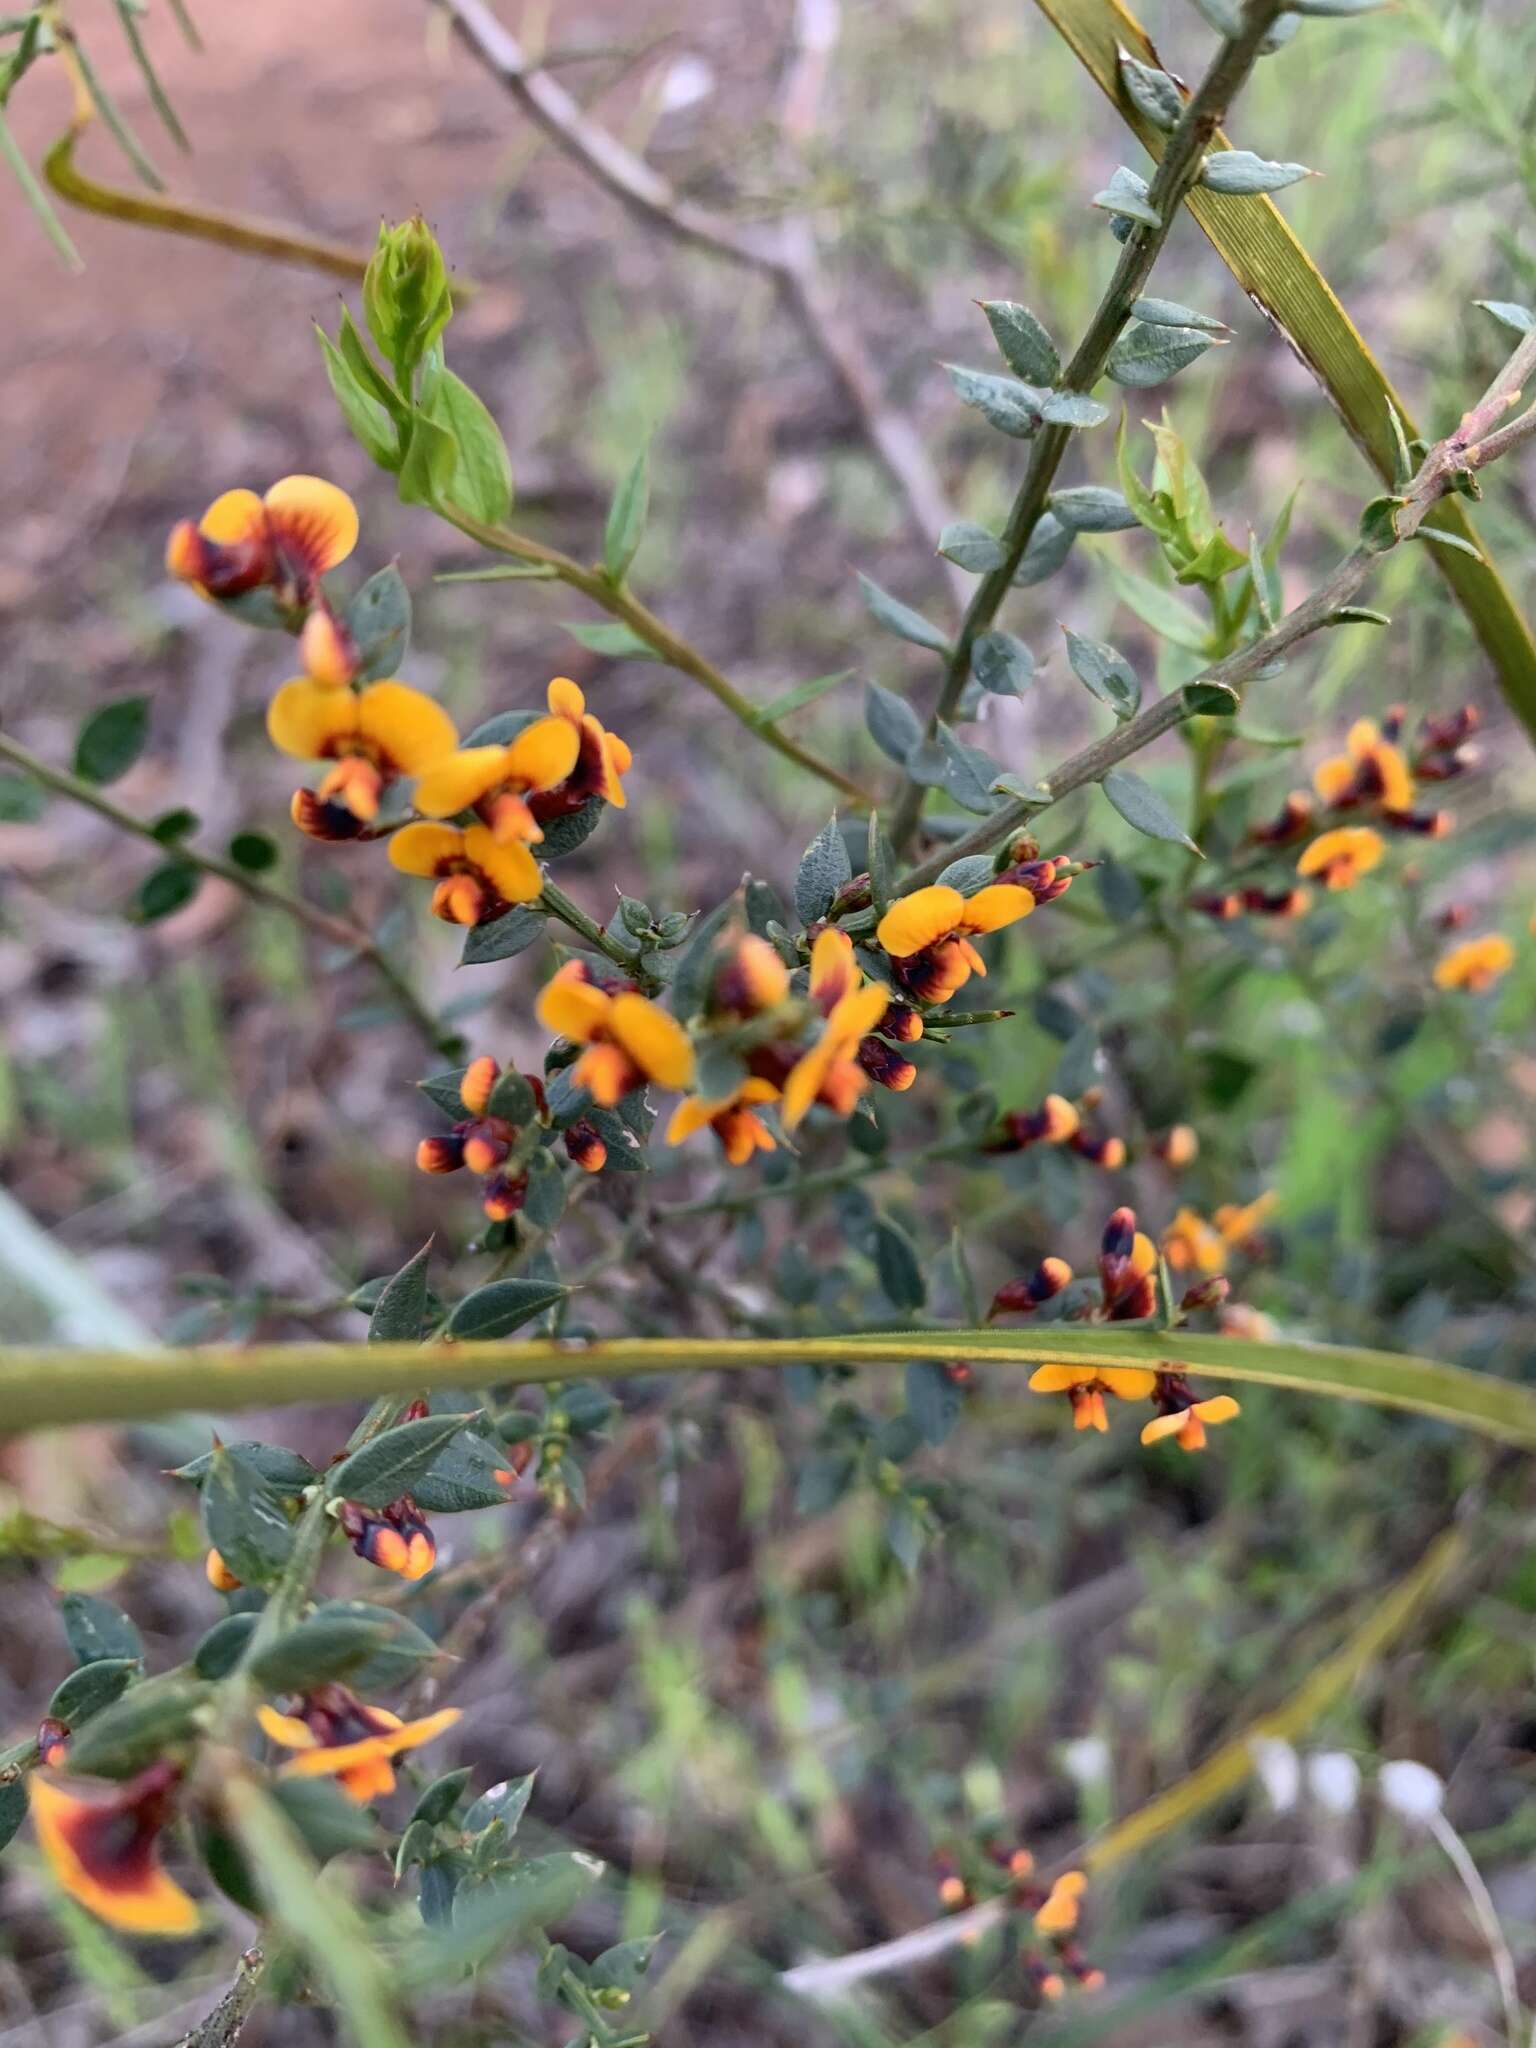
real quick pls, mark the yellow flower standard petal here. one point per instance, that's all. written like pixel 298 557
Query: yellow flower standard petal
pixel 310 722
pixel 425 849
pixel 287 1730
pixel 570 1006
pixel 408 730
pixel 313 520
pixel 916 921
pixel 510 868
pixel 233 516
pixel 455 784
pixel 1188 1425
pixel 858 1014
pixel 692 1114
pixel 565 699
pixel 991 908
pixel 1059 1914
pixel 543 753
pixel 1127 1382
pixel 1056 1379
pixel 653 1039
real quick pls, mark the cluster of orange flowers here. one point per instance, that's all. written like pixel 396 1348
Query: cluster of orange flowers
pixel 1130 1290
pixel 102 1840
pixel 477 810
pixel 1054 1911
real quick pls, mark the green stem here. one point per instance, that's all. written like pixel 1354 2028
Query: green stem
pixel 1175 177
pixel 337 930
pixel 621 603
pixel 51 1388
pixel 558 904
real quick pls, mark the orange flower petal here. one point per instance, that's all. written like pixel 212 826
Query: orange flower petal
pixel 1127 1382
pixel 454 784
pixel 543 753
pixel 425 849
pixel 313 522
pixel 1056 1379
pixel 411 730
pixel 233 516
pixel 834 972
pixel 103 1863
pixel 915 921
pixel 993 907
pixel 509 867
pixel 570 1006
pixel 309 721
pixel 285 1729
pixel 565 699
pixel 653 1039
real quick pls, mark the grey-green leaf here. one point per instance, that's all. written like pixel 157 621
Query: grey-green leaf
pixel 824 868
pixel 1049 546
pixel 1240 171
pixel 901 619
pixel 970 546
pixel 1141 806
pixel 401 1310
pixel 1004 402
pixel 1126 194
pixel 1519 319
pixel 1151 355
pixel 1093 508
pixel 1072 409
pixel 1001 663
pixel 381 1469
pixel 1026 347
pixel 1106 672
pixel 626 518
pixel 1152 93
pixel 893 725
pixel 1169 313
pixel 502 1306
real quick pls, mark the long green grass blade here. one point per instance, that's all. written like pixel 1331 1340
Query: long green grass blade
pixel 43 1389
pixel 37 198
pixel 157 93
pixel 1253 239
pixel 115 121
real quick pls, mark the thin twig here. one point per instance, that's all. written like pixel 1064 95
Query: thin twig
pixel 337 930
pixel 1175 177
pixel 225 2023
pixel 620 602
pixel 785 254
pixel 1487 1916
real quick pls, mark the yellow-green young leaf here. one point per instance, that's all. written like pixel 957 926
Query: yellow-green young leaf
pixel 1263 254
pixel 481 479
pixel 626 518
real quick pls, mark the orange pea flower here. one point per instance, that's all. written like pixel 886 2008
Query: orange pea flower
pixel 734 1120
pixel 1371 770
pixel 284 542
pixel 102 1843
pixel 336 1736
pixel 1339 858
pixel 1476 964
pixel 372 738
pixel 1187 1426
pixel 928 934
pixel 829 1071
pixel 478 877
pixel 1086 1385
pixel 628 1039
pixel 602 757
pixel 496 782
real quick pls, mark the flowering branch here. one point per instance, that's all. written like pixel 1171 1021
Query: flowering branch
pixel 620 602
pixel 338 930
pixel 1449 468
pixel 1175 178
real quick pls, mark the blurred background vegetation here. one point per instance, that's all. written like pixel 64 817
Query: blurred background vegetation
pixel 740 1685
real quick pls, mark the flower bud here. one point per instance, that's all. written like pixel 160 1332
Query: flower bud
pixel 330 655
pixel 406 299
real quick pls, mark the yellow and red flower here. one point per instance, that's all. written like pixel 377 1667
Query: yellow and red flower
pixel 927 935
pixel 335 1735
pixel 1055 1122
pixel 627 1039
pixel 602 758
pixel 283 542
pixel 1188 1423
pixel 483 1142
pixel 478 877
pixel 372 738
pixel 396 1538
pixel 1023 1297
pixel 733 1119
pixel 1476 964
pixel 219 1575
pixel 829 1072
pixel 1062 1907
pixel 1178 1147
pixel 1371 770
pixel 102 1843
pixel 1086 1385
pixel 748 979
pixel 1339 858
pixel 496 782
